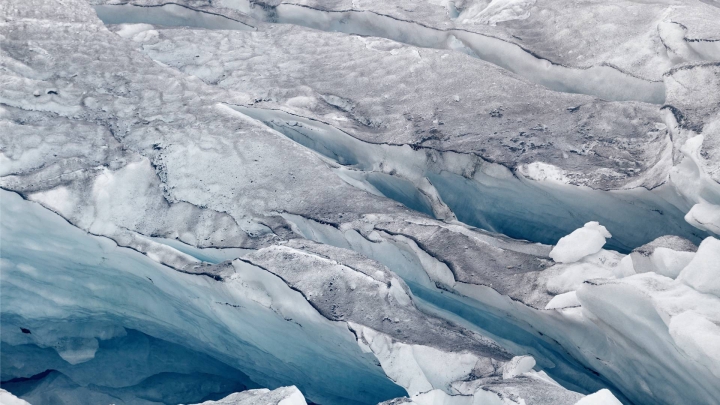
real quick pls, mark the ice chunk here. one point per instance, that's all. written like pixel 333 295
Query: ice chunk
pixel 602 397
pixel 497 11
pixel 703 272
pixel 77 350
pixel 698 338
pixel 570 276
pixel 705 216
pixel 280 396
pixel 666 256
pixel 130 30
pixel 7 398
pixel 580 243
pixel 517 366
pixel 565 300
pixel 416 368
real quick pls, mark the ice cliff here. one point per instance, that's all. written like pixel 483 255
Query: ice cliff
pixel 359 202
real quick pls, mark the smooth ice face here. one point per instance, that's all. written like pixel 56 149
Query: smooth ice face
pixel 580 243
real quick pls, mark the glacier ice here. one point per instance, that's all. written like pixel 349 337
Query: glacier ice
pixel 359 202
pixel 100 291
pixel 580 243
pixel 279 396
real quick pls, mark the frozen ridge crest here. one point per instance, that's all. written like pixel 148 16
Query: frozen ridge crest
pixel 359 202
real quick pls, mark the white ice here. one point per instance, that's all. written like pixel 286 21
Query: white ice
pixel 580 243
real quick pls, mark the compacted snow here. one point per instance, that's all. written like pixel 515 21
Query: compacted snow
pixel 470 202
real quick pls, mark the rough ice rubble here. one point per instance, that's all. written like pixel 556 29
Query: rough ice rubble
pixel 665 308
pixel 279 396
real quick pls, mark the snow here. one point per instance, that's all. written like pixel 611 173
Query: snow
pixel 580 243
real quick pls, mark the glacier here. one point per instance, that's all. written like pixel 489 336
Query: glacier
pixel 464 202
